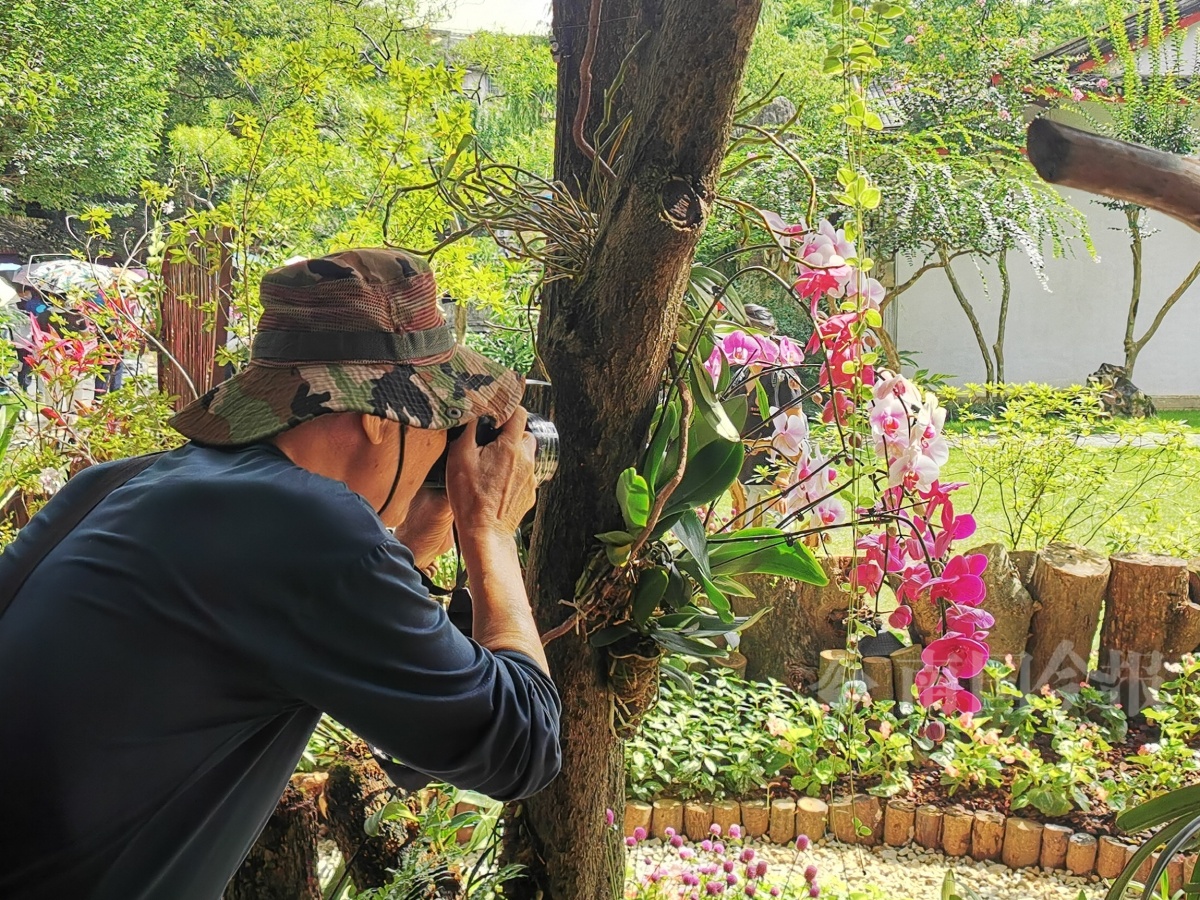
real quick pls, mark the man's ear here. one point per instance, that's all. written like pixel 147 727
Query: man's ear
pixel 376 428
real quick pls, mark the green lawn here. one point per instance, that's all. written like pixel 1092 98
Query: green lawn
pixel 1109 501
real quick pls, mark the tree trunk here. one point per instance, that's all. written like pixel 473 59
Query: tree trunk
pixel 1002 323
pixel 604 338
pixel 786 643
pixel 969 310
pixel 1068 584
pixel 356 788
pixel 1148 621
pixel 1133 218
pixel 282 864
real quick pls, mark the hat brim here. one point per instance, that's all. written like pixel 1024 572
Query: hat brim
pixel 263 400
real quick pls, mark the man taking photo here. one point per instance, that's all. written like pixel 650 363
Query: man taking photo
pixel 162 668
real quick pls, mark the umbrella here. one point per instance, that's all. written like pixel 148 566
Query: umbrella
pixel 60 276
pixel 8 294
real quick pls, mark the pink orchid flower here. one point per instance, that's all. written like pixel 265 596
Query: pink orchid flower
pixel 974 623
pixel 901 617
pixel 961 656
pixel 960 581
pixel 953 697
pixel 768 350
pixel 791 434
pixel 830 512
pixel 740 348
pixel 840 407
pixel 790 353
pixel 714 364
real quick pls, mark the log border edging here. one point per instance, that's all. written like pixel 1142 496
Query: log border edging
pixel 902 824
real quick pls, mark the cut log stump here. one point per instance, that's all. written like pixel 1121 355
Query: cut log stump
pixel 783 820
pixel 1081 854
pixel 1149 620
pixel 1009 604
pixel 927 827
pixel 812 816
pixel 987 836
pixel 804 620
pixel 1022 843
pixel 1055 840
pixel 1068 584
pixel 956 831
pixel 898 820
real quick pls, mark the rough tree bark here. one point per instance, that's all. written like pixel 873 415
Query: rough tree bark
pixel 282 864
pixel 1068 583
pixel 604 340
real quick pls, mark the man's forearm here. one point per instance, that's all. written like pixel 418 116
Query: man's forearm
pixel 502 619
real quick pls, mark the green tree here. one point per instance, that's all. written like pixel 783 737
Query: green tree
pixel 83 89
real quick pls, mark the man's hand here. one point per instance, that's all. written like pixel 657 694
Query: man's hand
pixel 492 487
pixel 427 529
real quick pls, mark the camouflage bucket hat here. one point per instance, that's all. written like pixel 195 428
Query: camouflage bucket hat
pixel 357 331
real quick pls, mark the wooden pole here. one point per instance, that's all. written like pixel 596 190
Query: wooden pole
pixel 1081 854
pixel 877 672
pixel 783 820
pixel 898 820
pixel 841 820
pixel 812 816
pixel 927 827
pixel 637 815
pixel 833 673
pixel 1055 840
pixel 987 836
pixel 1022 843
pixel 1110 857
pixel 668 813
pixel 726 813
pixel 756 817
pixel 1117 169
pixel 870 817
pixel 1068 583
pixel 957 824
pixel 697 817
pixel 1008 601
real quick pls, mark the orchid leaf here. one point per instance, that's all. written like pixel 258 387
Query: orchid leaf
pixel 690 531
pixel 709 474
pixel 731 587
pixel 610 634
pixel 651 587
pixel 665 429
pixel 765 551
pixel 615 538
pixel 707 284
pixel 678 643
pixel 719 601
pixel 707 404
pixel 634 498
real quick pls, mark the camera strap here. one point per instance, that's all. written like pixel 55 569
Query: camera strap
pixel 459 607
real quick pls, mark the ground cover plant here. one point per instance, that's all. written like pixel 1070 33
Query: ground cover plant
pixel 1069 756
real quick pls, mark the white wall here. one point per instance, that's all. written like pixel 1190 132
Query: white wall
pixel 1063 336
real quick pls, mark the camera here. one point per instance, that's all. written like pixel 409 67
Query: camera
pixel 545 456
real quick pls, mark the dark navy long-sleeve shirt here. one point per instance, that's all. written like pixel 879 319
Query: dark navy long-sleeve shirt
pixel 162 670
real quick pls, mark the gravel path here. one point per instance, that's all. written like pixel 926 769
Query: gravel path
pixel 910 873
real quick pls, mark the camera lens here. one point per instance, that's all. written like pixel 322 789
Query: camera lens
pixel 545 457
